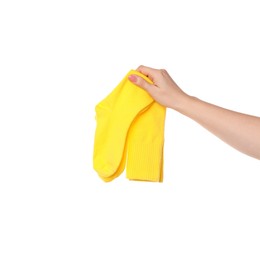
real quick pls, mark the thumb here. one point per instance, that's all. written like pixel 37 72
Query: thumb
pixel 140 82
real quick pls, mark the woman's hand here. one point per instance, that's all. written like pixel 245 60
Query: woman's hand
pixel 164 90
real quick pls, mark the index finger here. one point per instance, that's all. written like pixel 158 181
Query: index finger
pixel 147 71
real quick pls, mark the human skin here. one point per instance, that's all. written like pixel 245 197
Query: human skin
pixel 241 131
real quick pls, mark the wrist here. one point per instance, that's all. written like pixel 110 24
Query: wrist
pixel 183 104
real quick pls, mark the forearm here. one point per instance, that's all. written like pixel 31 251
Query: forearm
pixel 236 129
pixel 239 130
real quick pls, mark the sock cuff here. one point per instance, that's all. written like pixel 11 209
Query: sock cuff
pixel 145 161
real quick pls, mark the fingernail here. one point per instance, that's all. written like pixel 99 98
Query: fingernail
pixel 132 78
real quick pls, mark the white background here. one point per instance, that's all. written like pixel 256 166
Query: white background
pixel 57 60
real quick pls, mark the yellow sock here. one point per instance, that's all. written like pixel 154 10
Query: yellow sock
pixel 129 122
pixel 114 115
pixel 145 150
pixel 119 170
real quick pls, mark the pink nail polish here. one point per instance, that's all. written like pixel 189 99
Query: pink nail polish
pixel 132 78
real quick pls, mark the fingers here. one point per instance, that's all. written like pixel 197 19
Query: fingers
pixel 140 82
pixel 147 71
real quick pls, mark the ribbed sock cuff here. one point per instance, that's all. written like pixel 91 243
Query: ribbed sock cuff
pixel 145 162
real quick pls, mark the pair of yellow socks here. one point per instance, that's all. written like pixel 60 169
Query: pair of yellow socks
pixel 130 128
